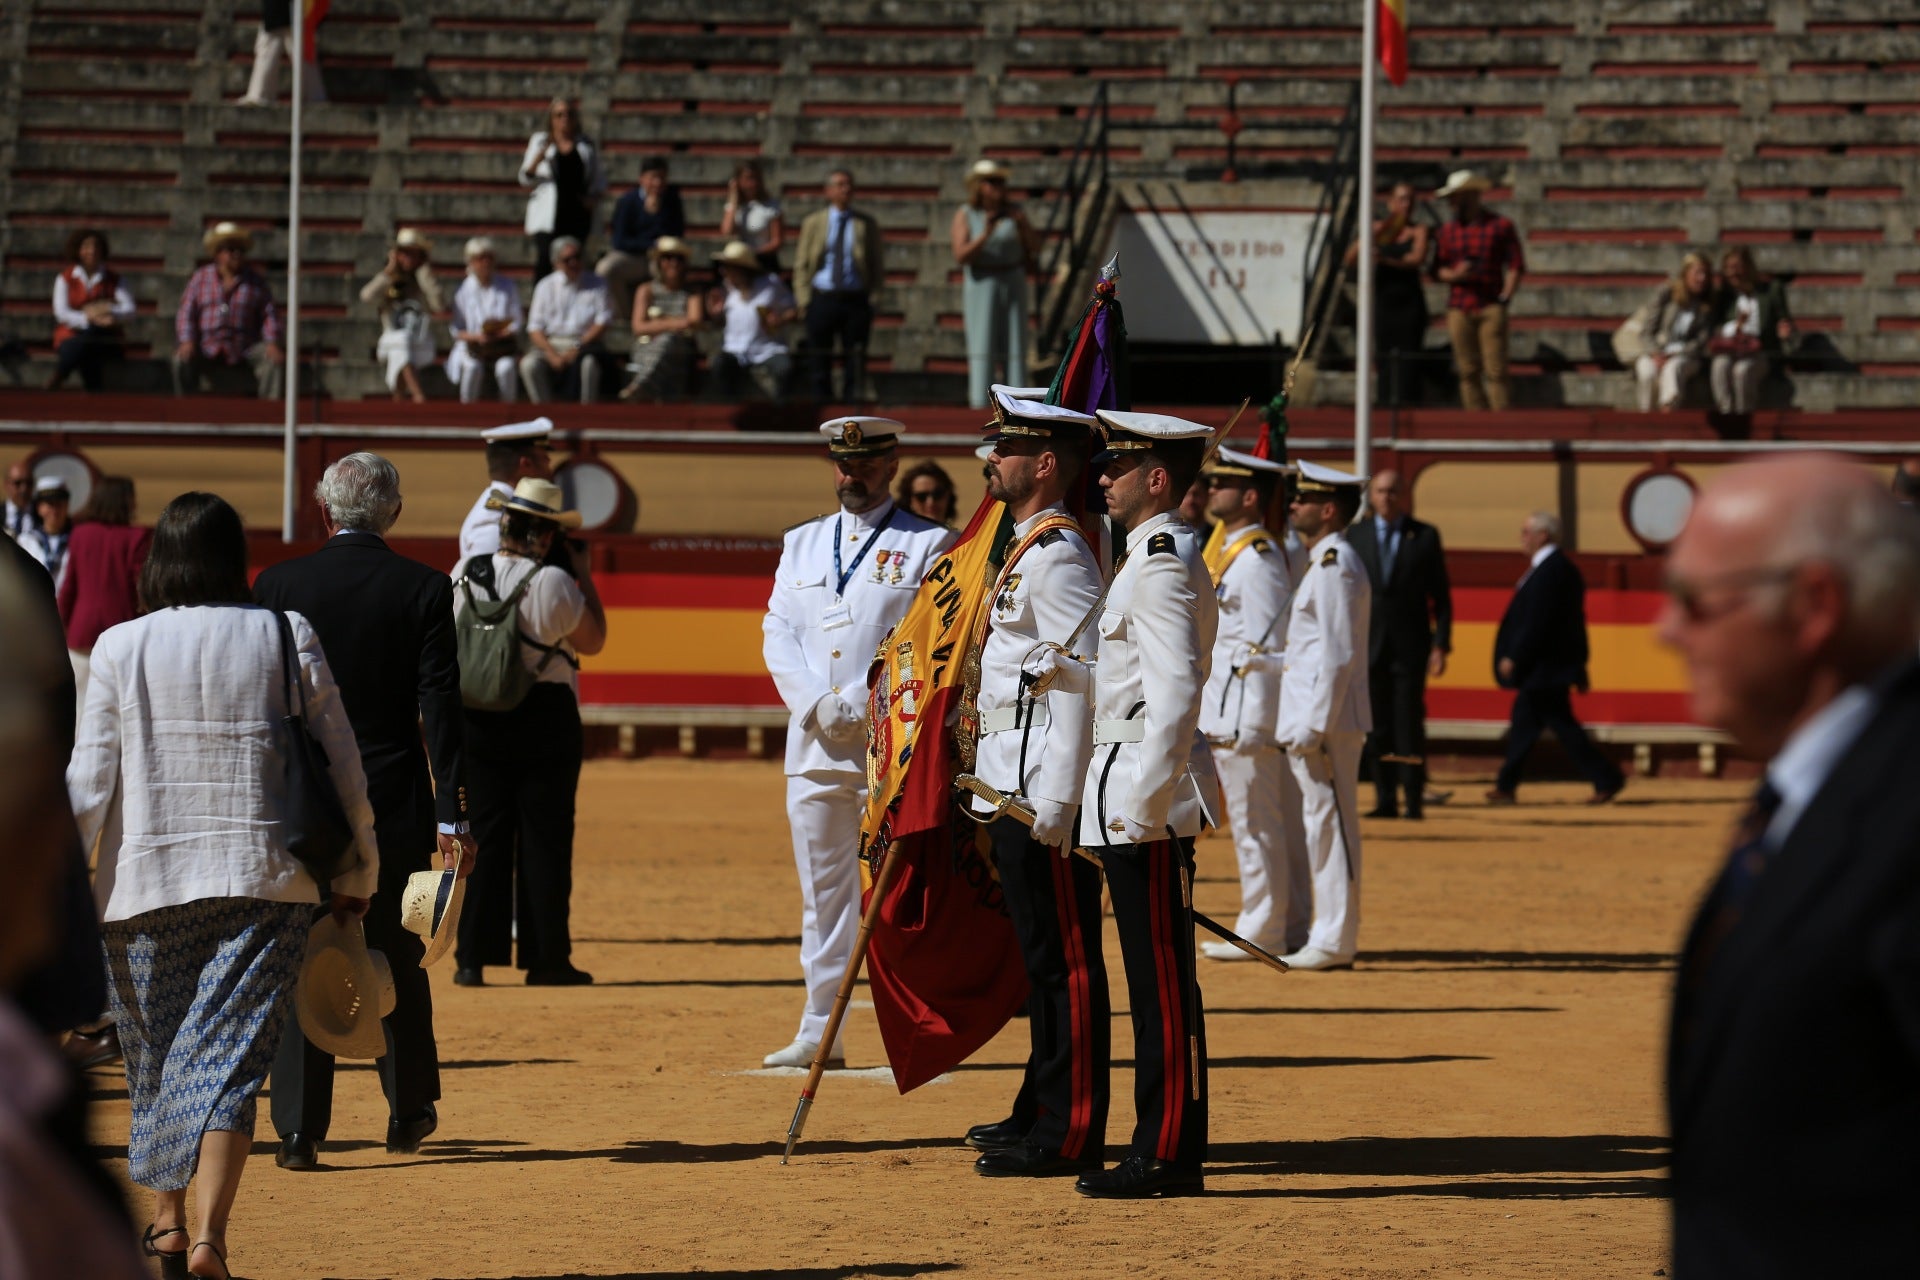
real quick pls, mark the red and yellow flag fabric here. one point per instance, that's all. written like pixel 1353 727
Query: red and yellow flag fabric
pixel 943 964
pixel 1393 39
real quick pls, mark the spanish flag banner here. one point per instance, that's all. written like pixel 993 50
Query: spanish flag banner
pixel 1393 39
pixel 943 965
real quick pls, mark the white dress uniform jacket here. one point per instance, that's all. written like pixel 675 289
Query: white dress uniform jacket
pixel 1324 688
pixel 1156 649
pixel 820 639
pixel 480 531
pixel 1243 692
pixel 1043 598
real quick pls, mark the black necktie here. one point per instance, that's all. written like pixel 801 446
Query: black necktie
pixel 1746 862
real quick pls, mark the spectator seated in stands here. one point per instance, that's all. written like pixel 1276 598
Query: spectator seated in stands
pixel 89 304
pixel 757 307
pixel 666 315
pixel 1751 326
pixel 1480 258
pixel 486 325
pixel 408 299
pixel 563 167
pixel 227 327
pixel 753 215
pixel 570 313
pixel 1665 341
pixel 640 218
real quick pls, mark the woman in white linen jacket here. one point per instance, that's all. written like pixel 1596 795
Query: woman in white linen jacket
pixel 180 774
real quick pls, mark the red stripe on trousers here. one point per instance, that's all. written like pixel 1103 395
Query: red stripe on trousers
pixel 1174 1044
pixel 1080 1114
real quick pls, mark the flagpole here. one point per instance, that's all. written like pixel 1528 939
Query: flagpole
pixel 1363 228
pixel 288 477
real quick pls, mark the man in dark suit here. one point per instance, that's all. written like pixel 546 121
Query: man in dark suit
pixel 386 623
pixel 1540 652
pixel 1793 1070
pixel 1408 639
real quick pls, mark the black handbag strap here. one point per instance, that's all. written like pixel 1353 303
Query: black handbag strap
pixel 289 667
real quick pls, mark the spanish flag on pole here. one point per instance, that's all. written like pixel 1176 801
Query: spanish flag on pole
pixel 1393 39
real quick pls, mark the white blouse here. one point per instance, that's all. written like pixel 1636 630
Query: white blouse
pixel 179 771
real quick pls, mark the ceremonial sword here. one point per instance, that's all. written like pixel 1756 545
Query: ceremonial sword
pixel 1012 808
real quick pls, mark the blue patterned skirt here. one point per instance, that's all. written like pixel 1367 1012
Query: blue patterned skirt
pixel 200 993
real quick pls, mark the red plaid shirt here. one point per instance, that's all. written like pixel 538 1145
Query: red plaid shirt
pixel 1489 244
pixel 226 323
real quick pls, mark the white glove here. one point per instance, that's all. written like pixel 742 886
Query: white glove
pixel 838 719
pixel 1052 669
pixel 1053 824
pixel 1253 742
pixel 1137 834
pixel 1307 744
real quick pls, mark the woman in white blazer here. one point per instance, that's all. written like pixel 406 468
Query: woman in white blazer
pixel 563 167
pixel 180 774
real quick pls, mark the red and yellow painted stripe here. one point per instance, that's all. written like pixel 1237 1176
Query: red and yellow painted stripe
pixel 692 640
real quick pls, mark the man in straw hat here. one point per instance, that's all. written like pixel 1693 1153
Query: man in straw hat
pixel 1035 747
pixel 842 583
pixel 408 299
pixel 1254 588
pixel 516 451
pixel 837 270
pixel 227 328
pixel 758 306
pixel 386 623
pixel 1140 808
pixel 1480 257
pixel 523 763
pixel 1326 710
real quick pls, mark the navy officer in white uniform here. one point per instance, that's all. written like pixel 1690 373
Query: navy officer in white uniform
pixel 1254 586
pixel 515 452
pixel 1325 709
pixel 1142 807
pixel 844 580
pixel 1034 743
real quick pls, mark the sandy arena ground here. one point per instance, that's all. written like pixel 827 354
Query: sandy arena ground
pixel 1481 1096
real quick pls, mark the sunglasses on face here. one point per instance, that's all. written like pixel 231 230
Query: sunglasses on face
pixel 568 261
pixel 1690 598
pixel 926 495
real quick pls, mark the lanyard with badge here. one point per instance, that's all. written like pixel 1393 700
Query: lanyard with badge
pixel 836 614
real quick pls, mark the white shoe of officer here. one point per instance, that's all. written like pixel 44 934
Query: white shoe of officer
pixel 1222 951
pixel 1314 958
pixel 800 1054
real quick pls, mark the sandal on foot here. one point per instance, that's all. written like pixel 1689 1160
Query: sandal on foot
pixel 173 1262
pixel 214 1249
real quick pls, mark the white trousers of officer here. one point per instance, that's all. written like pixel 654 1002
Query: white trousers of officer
pixel 825 809
pixel 1330 812
pixel 1274 890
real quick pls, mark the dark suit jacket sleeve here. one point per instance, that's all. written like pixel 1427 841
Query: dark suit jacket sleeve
pixel 1440 591
pixel 440 703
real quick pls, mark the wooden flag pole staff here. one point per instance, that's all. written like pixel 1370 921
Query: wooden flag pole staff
pixel 889 868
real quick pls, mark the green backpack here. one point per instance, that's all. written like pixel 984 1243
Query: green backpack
pixel 488 635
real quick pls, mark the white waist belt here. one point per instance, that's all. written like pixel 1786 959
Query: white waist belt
pixel 1105 731
pixel 1003 719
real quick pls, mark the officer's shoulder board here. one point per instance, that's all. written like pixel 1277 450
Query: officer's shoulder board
pixel 1262 545
pixel 801 524
pixel 1160 542
pixel 1050 537
pixel 1331 558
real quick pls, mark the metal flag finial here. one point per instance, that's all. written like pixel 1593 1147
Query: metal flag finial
pixel 1111 271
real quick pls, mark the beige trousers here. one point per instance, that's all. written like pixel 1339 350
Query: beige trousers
pixel 1480 355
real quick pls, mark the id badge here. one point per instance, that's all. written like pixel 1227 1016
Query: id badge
pixel 836 616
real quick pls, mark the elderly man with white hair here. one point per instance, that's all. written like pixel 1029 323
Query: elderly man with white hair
pixel 1793 1072
pixel 486 324
pixel 570 312
pixel 386 624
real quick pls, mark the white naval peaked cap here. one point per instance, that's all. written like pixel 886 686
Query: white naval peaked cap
pixel 858 436
pixel 1316 478
pixel 1130 430
pixel 1232 462
pixel 1020 393
pixel 50 484
pixel 1014 416
pixel 538 429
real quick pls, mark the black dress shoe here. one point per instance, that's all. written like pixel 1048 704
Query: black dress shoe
pixel 404 1135
pixel 89 1049
pixel 1029 1161
pixel 560 976
pixel 297 1152
pixel 1415 815
pixel 997 1136
pixel 472 977
pixel 1141 1178
pixel 1380 811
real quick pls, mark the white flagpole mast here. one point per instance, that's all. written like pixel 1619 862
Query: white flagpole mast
pixel 1363 228
pixel 288 477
